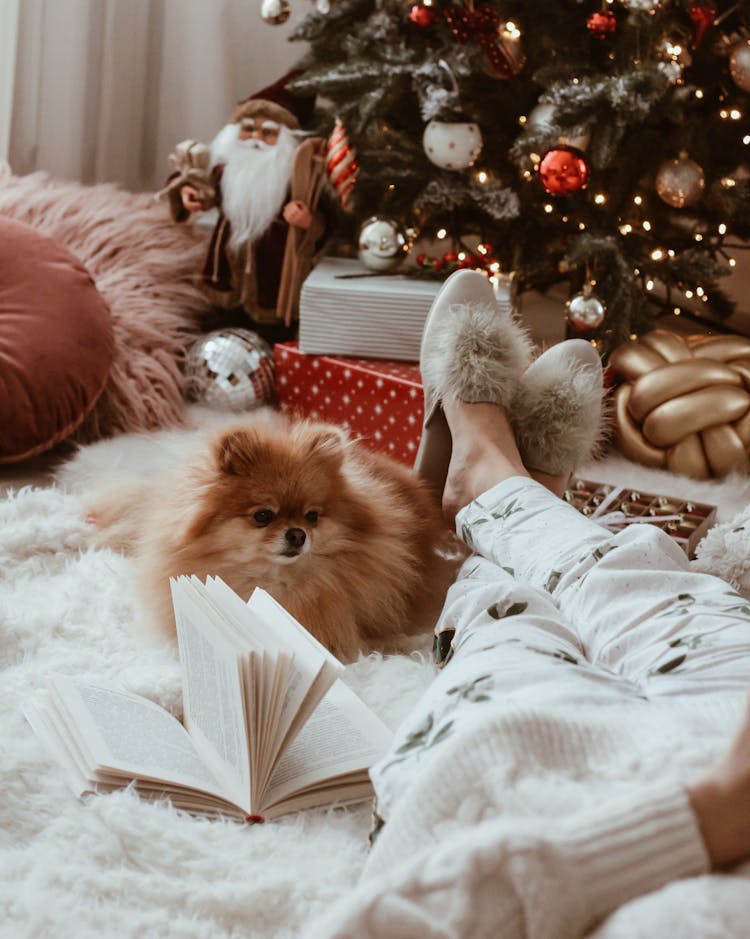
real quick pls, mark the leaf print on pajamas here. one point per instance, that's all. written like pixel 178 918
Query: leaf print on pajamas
pixel 473 691
pixel 496 611
pixel 669 666
pixel 679 606
pixel 510 509
pixel 693 642
pixel 420 740
pixel 442 647
pixel 741 607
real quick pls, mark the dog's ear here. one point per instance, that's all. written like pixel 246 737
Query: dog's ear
pixel 238 451
pixel 328 442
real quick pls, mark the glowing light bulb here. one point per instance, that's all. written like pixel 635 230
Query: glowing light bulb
pixel 638 200
pixel 441 233
pixel 647 225
pixel 649 285
pixel 547 208
pixel 722 229
pixel 482 176
pixel 689 294
pixel 657 254
pixel 600 198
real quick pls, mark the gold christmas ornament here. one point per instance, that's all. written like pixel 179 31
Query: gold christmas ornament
pixel 680 182
pixel 739 64
pixel 684 402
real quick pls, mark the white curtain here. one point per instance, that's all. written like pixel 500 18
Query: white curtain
pixel 103 89
pixel 8 32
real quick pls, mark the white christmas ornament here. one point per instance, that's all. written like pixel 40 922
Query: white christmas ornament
pixel 382 245
pixel 275 12
pixel 452 146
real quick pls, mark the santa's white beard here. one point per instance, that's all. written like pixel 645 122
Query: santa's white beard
pixel 255 180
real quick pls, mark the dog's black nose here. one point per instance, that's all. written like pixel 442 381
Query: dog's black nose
pixel 295 537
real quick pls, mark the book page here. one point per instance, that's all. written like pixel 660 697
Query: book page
pixel 130 735
pixel 312 668
pixel 342 736
pixel 213 695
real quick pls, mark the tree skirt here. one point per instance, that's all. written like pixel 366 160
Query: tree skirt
pixel 117 866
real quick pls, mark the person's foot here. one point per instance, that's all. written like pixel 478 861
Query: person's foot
pixel 721 802
pixel 472 351
pixel 484 452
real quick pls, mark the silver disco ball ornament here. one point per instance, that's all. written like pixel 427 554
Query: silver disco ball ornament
pixel 231 369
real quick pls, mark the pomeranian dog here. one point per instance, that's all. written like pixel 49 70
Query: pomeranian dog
pixel 350 542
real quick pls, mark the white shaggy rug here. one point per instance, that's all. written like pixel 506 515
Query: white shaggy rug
pixel 119 867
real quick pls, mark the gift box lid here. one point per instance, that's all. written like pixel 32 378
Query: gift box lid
pixel 346 310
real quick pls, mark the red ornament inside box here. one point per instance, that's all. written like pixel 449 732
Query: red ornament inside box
pixel 380 402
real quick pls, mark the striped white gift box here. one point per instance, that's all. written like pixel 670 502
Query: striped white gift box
pixel 372 316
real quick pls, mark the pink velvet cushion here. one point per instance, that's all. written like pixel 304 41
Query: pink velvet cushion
pixel 56 342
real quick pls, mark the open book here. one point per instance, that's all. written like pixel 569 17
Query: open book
pixel 268 725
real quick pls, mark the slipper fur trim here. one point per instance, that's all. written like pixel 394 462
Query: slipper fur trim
pixel 559 416
pixel 477 355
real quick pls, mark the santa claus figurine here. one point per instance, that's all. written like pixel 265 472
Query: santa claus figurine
pixel 265 176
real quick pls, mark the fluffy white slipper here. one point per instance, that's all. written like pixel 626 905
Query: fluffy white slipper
pixel 472 350
pixel 558 413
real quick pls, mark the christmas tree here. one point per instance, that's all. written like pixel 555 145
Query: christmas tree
pixel 603 145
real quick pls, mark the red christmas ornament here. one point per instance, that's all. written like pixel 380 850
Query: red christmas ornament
pixel 342 168
pixel 564 170
pixel 702 15
pixel 602 24
pixel 422 15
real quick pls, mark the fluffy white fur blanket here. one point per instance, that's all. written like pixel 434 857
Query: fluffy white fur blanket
pixel 119 867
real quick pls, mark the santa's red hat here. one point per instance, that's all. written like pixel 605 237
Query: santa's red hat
pixel 277 103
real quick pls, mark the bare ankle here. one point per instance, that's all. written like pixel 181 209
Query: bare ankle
pixel 721 802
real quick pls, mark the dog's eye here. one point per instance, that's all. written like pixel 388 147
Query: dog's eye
pixel 311 516
pixel 263 517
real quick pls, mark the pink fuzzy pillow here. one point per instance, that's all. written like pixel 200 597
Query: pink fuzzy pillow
pixel 56 342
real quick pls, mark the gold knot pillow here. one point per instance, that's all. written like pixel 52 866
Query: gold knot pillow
pixel 684 402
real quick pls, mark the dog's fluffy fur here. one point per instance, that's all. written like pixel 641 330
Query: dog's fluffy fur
pixel 349 541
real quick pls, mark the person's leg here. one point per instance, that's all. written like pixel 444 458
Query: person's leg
pixel 502 646
pixel 638 608
pixel 516 880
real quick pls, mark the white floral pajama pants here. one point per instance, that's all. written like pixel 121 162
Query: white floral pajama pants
pixel 552 609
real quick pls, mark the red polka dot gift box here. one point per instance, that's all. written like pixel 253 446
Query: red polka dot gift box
pixel 379 401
